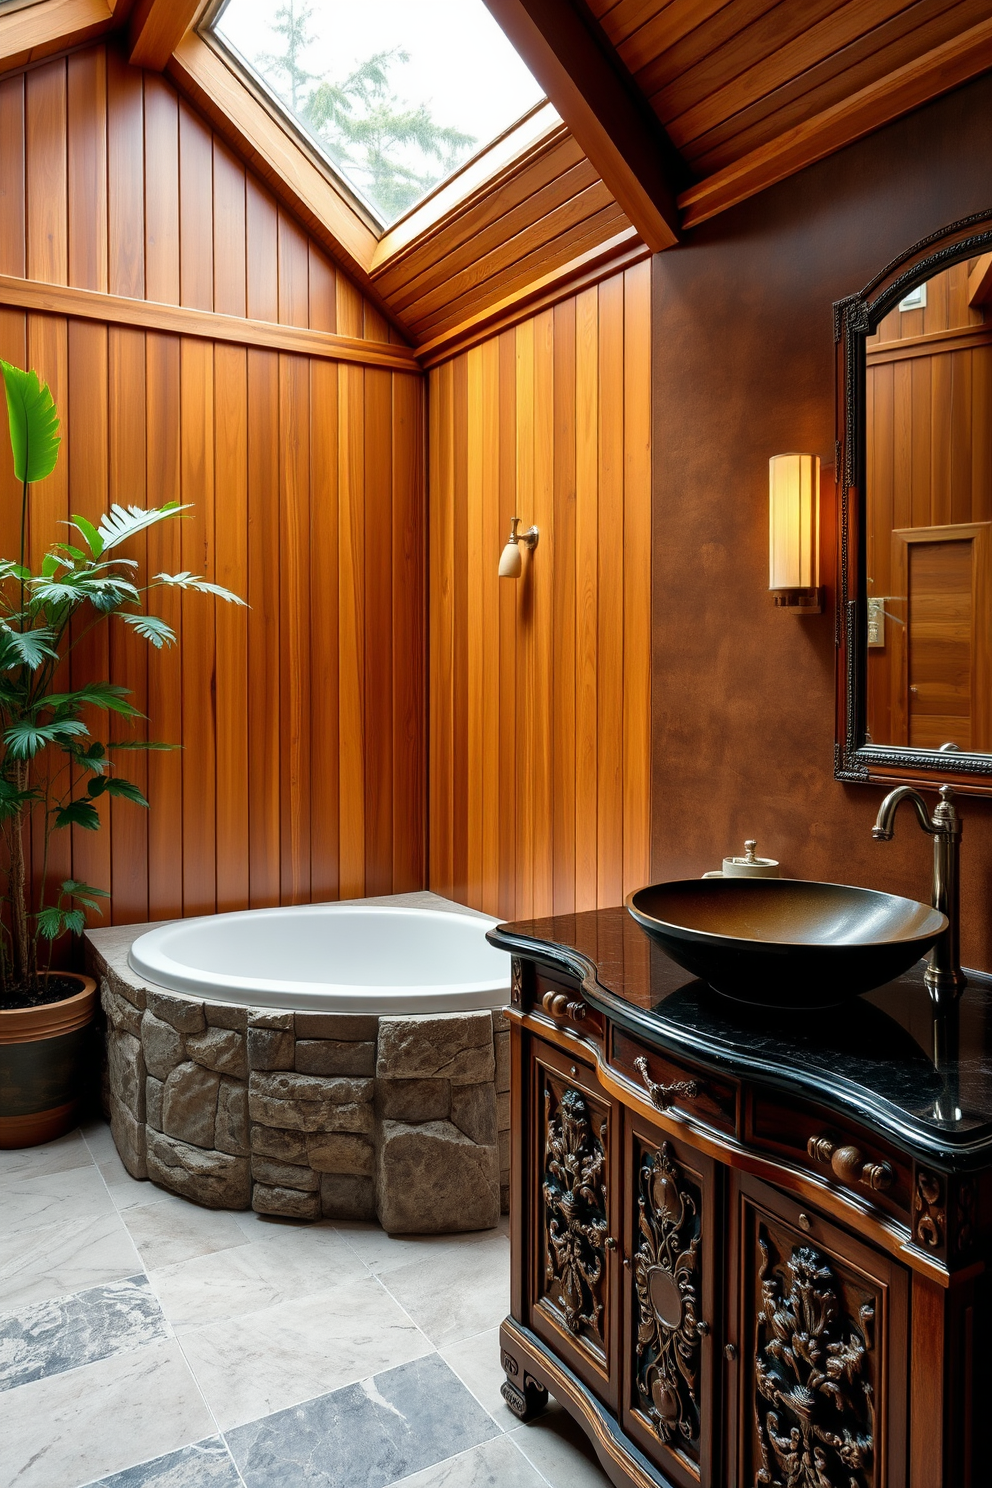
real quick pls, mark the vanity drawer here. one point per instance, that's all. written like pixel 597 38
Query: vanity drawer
pixel 561 1000
pixel 703 1097
pixel 832 1149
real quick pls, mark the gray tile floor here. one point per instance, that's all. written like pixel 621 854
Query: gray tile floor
pixel 146 1343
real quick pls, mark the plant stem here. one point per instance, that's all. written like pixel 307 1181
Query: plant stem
pixel 22 959
pixel 24 528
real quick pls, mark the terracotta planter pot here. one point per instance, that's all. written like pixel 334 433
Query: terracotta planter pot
pixel 42 1065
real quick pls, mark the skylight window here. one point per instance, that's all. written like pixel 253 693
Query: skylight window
pixel 396 94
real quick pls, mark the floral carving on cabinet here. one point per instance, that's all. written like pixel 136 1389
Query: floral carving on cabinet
pixel 667 1283
pixel 814 1400
pixel 574 1189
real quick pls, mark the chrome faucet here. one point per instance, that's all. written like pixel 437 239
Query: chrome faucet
pixel 943 976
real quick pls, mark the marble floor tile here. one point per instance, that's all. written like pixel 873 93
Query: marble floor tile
pixel 65 1152
pixel 248 1278
pixel 29 1201
pixel 475 1360
pixel 250 1366
pixel 560 1451
pixel 98 1137
pixel 127 1192
pixel 76 1427
pixel 456 1291
pixel 494 1464
pixel 51 1337
pixel 206 1464
pixel 68 1255
pixel 171 1230
pixel 367 1435
pixel 382 1252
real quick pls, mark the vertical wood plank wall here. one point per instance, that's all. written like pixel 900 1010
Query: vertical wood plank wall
pixel 302 719
pixel 539 785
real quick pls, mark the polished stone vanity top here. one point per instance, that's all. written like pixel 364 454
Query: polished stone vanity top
pixel 873 1056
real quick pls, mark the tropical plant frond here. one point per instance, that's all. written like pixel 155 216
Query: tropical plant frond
pixel 152 628
pixel 120 523
pixel 187 580
pixel 26 647
pixel 84 893
pixel 142 744
pixel 113 785
pixel 34 423
pixel 81 813
pixel 105 695
pixel 24 739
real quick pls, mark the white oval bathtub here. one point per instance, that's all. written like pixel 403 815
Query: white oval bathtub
pixel 361 958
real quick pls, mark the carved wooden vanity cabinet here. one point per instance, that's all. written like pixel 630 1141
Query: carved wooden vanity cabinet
pixel 749 1248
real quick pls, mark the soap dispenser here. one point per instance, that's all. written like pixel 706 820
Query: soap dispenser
pixel 749 866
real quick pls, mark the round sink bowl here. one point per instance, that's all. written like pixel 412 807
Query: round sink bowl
pixel 783 942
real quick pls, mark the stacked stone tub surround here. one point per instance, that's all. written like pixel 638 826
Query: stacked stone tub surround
pixel 308 1115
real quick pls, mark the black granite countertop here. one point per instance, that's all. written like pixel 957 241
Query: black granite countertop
pixel 923 1082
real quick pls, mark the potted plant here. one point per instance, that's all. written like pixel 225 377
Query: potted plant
pixel 52 769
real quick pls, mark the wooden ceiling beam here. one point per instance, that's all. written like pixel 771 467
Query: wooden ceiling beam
pixel 609 118
pixel 52 26
pixel 157 27
pixel 944 67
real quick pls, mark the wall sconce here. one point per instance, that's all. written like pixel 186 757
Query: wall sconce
pixel 510 562
pixel 794 533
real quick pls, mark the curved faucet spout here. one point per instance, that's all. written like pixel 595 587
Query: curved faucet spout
pixel 943 975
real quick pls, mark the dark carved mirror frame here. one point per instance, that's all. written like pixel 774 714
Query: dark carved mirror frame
pixel 855 319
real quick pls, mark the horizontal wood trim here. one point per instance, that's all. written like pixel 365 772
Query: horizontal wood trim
pixel 85 304
pixel 621 252
pixel 40 30
pixel 944 67
pixel 958 338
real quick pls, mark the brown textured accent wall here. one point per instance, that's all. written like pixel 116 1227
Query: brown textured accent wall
pixel 743 698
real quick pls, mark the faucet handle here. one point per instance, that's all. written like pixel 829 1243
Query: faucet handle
pixel 750 855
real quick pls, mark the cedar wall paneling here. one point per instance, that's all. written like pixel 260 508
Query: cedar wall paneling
pixel 301 718
pixel 743 698
pixel 540 688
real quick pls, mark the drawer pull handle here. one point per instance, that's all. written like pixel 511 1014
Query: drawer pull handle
pixel 849 1164
pixel 560 1005
pixel 663 1095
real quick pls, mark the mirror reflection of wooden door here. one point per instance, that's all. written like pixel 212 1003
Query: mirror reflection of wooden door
pixel 942 661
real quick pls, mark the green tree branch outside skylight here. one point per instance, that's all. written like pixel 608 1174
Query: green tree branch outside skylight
pixel 392 151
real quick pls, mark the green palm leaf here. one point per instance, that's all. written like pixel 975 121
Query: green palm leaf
pixel 34 423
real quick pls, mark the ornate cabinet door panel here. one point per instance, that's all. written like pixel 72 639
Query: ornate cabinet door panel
pixel 822 1345
pixel 673 1248
pixel 574 1249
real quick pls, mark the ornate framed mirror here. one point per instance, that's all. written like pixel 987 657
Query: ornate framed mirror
pixel 914 462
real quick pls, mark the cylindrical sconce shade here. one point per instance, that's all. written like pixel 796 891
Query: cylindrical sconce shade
pixel 794 530
pixel 510 563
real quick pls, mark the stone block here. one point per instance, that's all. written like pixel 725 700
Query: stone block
pixel 270 1049
pixel 283 1175
pixel 451 1046
pixel 334 1057
pixel 122 1015
pixel 432 1179
pixel 153 1102
pixel 226 1015
pixel 341 1152
pixel 183 1013
pixel 473 1111
pixel 163 1046
pixel 285 1085
pixel 215 1179
pixel 231 1130
pixel 271 1018
pixel 311 1116
pixel 503 1062
pixel 129 1138
pixel 220 1049
pixel 287 1146
pixel 413 1100
pixel 291 1203
pixel 343 1196
pixel 503 1144
pixel 129 991
pixel 189 1105
pixel 348 1027
pixel 126 1069
pixel 501 1024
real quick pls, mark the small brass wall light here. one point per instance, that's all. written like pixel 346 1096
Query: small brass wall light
pixel 510 561
pixel 794 533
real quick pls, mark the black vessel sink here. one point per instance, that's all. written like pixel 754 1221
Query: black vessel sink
pixel 783 942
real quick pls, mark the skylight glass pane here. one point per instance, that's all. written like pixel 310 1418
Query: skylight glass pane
pixel 396 93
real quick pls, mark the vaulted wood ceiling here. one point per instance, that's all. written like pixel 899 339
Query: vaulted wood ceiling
pixel 673 110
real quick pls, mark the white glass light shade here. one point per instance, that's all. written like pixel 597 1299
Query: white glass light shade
pixel 510 562
pixel 794 522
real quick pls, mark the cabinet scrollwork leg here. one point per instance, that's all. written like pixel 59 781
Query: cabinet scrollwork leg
pixel 524 1396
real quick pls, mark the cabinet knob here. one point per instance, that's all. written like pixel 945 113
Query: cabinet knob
pixel 805 1223
pixel 663 1095
pixel 849 1164
pixel 560 1005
